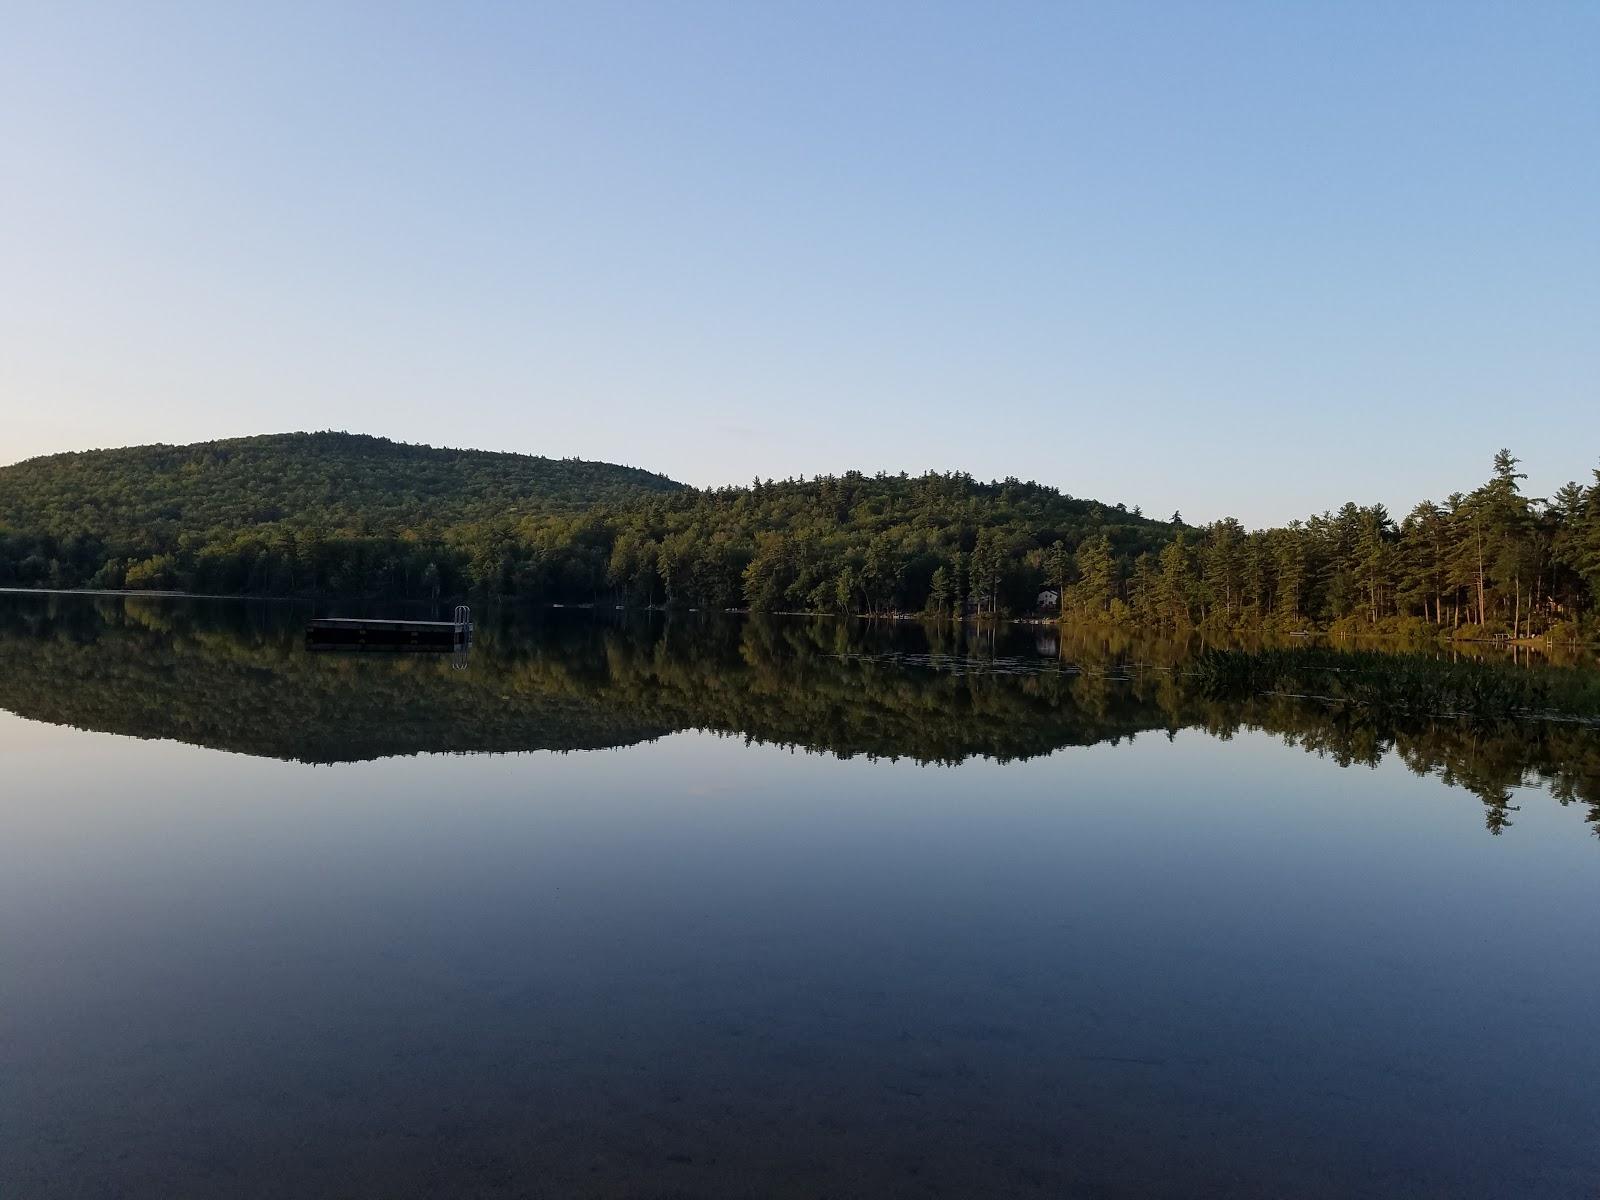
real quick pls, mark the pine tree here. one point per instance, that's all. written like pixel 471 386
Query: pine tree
pixel 1096 576
pixel 1177 583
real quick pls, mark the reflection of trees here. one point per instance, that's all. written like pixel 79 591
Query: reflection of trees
pixel 234 677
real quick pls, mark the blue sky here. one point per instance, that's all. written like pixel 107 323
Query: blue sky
pixel 1228 258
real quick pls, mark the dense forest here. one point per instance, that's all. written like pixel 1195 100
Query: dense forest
pixel 337 514
pixel 235 677
pixel 290 513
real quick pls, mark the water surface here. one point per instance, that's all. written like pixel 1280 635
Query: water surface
pixel 645 908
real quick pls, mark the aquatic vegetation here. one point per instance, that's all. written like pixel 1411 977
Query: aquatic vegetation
pixel 1404 682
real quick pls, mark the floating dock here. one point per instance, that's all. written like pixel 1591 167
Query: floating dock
pixel 360 633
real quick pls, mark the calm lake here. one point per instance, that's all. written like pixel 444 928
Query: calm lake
pixel 709 907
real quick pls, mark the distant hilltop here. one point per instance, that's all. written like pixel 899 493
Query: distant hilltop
pixel 328 481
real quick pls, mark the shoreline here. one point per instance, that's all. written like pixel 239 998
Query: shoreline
pixel 1441 638
pixel 151 593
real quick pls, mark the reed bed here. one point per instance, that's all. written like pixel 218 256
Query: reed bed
pixel 1406 682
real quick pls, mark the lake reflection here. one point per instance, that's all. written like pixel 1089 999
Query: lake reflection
pixel 1067 961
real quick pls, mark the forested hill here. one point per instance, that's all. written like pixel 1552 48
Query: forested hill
pixel 335 515
pixel 327 482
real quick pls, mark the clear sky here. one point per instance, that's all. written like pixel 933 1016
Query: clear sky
pixel 1223 257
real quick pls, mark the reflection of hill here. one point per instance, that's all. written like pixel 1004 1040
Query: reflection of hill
pixel 235 678
pixel 212 678
pixel 257 691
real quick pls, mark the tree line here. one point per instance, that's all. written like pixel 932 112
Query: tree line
pixel 1489 562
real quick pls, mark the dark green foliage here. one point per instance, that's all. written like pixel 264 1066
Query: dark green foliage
pixel 289 513
pixel 333 483
pixel 1488 564
pixel 336 514
pixel 1407 683
pixel 321 514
